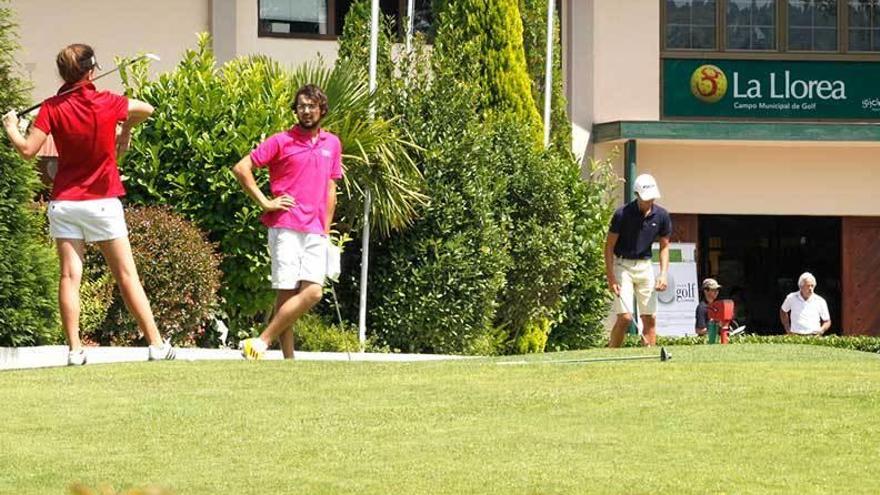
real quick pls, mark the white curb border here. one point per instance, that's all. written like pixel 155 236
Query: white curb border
pixel 18 358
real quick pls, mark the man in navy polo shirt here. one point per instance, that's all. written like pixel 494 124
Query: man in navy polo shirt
pixel 634 228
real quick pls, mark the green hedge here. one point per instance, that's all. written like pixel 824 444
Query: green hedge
pixel 28 307
pixel 854 343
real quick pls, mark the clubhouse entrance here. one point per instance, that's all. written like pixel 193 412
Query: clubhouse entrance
pixel 758 259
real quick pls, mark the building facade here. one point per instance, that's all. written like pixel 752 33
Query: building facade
pixel 760 119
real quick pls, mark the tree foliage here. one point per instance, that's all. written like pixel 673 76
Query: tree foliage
pixel 28 313
pixel 490 32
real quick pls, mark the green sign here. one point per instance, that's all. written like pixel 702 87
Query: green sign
pixel 765 89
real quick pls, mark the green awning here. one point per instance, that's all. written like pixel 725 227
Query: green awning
pixel 737 131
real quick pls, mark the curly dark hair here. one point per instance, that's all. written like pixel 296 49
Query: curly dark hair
pixel 313 93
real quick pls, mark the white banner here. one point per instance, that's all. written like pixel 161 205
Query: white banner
pixel 677 304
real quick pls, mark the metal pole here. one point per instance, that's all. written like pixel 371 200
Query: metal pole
pixel 410 23
pixel 629 174
pixel 548 73
pixel 365 247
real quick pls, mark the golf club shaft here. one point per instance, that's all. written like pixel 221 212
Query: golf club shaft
pixel 105 74
pixel 664 356
pixel 597 360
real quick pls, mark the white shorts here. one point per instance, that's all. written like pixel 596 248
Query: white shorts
pixel 92 220
pixel 636 278
pixel 297 256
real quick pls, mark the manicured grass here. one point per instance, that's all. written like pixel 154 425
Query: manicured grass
pixel 731 419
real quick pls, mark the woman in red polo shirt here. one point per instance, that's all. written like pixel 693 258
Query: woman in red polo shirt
pixel 85 204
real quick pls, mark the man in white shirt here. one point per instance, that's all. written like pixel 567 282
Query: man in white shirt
pixel 804 312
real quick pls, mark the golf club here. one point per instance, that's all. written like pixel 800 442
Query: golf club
pixel 738 330
pixel 664 356
pixel 150 56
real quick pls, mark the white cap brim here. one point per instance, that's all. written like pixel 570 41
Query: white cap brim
pixel 649 195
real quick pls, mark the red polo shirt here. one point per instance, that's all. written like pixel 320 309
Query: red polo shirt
pixel 83 125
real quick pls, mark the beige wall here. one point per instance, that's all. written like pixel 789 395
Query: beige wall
pixel 112 27
pixel 578 63
pixel 764 178
pixel 612 63
pixel 626 61
pixel 289 51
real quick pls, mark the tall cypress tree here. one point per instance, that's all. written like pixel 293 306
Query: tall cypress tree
pixel 27 270
pixel 492 30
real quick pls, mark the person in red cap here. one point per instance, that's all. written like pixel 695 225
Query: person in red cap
pixel 634 228
pixel 85 206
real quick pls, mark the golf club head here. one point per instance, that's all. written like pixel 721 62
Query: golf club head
pixel 664 354
pixel 152 56
pixel 738 330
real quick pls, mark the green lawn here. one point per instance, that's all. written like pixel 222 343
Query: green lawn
pixel 716 419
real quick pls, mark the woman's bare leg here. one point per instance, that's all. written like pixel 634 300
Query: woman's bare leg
pixel 117 252
pixel 70 254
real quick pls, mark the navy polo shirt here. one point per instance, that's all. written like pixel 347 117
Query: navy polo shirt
pixel 637 232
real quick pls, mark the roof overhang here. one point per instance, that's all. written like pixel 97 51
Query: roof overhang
pixel 624 130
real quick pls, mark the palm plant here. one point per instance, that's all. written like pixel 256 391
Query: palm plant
pixel 376 152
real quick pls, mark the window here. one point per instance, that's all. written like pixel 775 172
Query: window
pixel 751 24
pixel 772 26
pixel 690 24
pixel 864 25
pixel 326 18
pixel 287 17
pixel 812 25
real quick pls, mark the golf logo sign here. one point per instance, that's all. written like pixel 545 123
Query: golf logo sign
pixel 787 89
pixel 708 84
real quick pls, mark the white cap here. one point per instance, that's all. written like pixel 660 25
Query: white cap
pixel 646 187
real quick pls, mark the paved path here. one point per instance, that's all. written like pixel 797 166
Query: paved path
pixel 14 358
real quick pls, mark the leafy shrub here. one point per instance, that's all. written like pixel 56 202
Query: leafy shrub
pixel 585 299
pixel 28 308
pixel 437 284
pixel 539 234
pixel 95 299
pixel 313 333
pixel 179 270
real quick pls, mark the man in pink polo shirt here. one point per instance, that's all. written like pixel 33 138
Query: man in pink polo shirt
pixel 304 164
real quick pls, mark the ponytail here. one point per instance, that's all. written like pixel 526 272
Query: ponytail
pixel 75 61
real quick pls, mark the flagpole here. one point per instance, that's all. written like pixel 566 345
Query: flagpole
pixel 548 73
pixel 410 23
pixel 365 247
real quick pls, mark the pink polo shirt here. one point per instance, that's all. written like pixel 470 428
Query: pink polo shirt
pixel 301 168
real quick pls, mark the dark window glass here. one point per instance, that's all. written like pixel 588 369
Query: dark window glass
pixel 864 25
pixel 751 24
pixel 812 25
pixel 690 24
pixel 294 17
